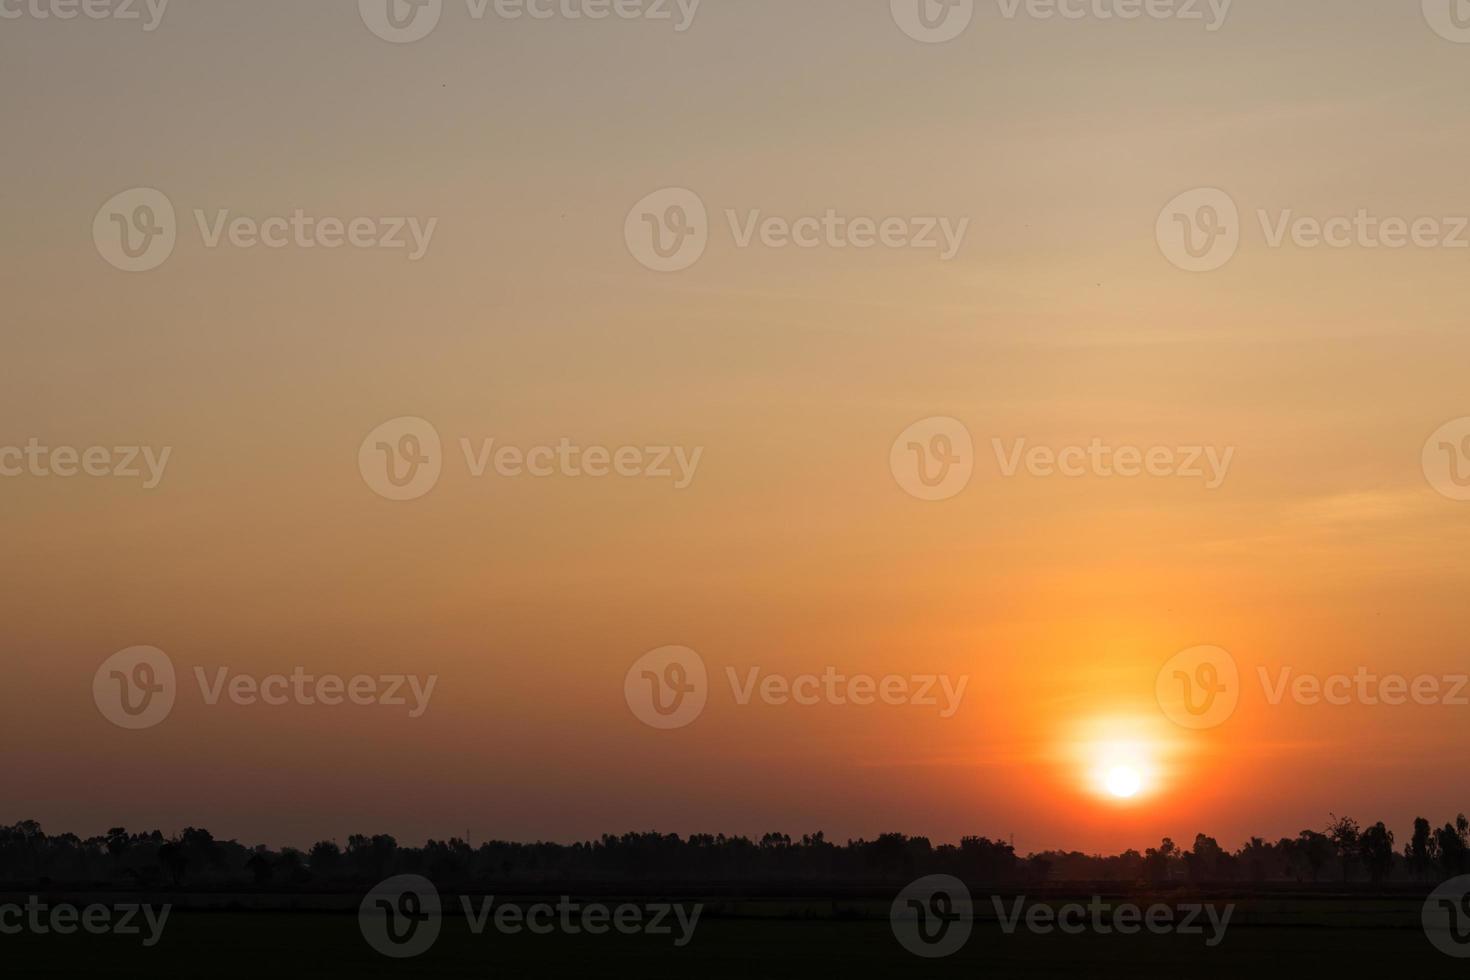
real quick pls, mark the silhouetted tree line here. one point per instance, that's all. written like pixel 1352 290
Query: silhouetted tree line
pixel 1342 851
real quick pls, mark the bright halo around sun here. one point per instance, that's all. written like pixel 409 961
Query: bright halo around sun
pixel 1123 760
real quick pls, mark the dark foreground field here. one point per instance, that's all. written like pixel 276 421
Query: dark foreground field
pixel 1269 936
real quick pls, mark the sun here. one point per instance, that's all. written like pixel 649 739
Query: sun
pixel 1124 782
pixel 1123 771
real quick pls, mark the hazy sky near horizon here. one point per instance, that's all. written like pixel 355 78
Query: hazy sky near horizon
pixel 528 320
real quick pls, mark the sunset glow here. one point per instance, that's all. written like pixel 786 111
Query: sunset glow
pixel 982 492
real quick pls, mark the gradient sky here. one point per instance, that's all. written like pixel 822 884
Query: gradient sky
pixel 795 548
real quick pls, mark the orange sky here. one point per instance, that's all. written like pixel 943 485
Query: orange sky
pixel 794 548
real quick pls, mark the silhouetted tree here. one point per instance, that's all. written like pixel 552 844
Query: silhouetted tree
pixel 1156 860
pixel 1315 850
pixel 1453 844
pixel 1260 860
pixel 1422 851
pixel 1344 834
pixel 194 857
pixel 259 866
pixel 174 861
pixel 1206 862
pixel 1375 846
pixel 324 858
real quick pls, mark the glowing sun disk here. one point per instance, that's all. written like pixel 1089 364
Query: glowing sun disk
pixel 1123 781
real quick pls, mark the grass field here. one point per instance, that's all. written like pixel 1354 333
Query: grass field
pixel 1267 937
